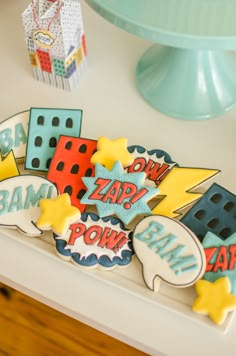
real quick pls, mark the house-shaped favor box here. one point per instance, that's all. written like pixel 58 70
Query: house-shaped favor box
pixel 55 39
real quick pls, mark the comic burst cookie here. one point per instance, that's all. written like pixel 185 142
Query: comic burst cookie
pixel 116 192
pixel 96 242
pixel 155 163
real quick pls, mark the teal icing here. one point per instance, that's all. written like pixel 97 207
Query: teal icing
pixel 32 197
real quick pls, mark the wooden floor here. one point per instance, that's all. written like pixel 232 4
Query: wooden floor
pixel 29 328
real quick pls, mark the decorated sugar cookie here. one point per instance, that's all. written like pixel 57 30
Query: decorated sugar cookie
pixel 214 212
pixel 71 162
pixel 45 128
pixel 13 135
pixel 8 166
pixel 220 258
pixel 57 214
pixel 155 163
pixel 177 189
pixel 93 242
pixel 19 202
pixel 116 192
pixel 110 151
pixel 168 251
pixel 214 299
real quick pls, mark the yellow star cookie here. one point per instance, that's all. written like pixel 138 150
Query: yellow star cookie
pixel 214 299
pixel 110 151
pixel 57 214
pixel 8 166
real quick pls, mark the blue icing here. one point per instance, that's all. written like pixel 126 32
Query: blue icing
pixel 155 152
pixel 214 212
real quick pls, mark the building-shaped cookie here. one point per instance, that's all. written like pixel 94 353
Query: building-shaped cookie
pixel 70 163
pixel 45 128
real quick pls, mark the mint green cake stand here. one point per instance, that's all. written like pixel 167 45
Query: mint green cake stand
pixel 190 73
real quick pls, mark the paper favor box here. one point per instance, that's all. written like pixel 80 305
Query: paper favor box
pixel 55 40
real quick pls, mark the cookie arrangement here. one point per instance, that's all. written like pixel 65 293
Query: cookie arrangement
pixel 105 201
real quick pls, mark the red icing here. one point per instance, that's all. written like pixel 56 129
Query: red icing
pixel 225 258
pixel 106 237
pixel 221 259
pixel 155 171
pixel 70 163
pixel 101 183
pixel 84 45
pixel 232 251
pixel 209 252
pixel 45 61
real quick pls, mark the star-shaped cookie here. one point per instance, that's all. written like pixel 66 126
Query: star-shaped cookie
pixel 8 166
pixel 116 192
pixel 110 151
pixel 214 299
pixel 57 214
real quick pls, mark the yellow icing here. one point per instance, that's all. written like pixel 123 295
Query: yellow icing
pixel 214 299
pixel 8 166
pixel 57 214
pixel 110 151
pixel 176 188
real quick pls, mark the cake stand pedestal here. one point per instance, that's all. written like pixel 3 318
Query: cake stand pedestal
pixel 193 76
pixel 188 84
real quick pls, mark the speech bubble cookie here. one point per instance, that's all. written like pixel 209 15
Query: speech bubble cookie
pixel 93 242
pixel 19 202
pixel 13 135
pixel 168 251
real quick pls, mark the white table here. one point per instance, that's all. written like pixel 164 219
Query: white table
pixel 113 108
